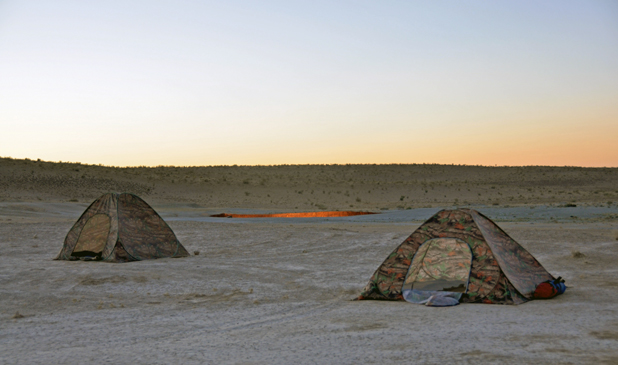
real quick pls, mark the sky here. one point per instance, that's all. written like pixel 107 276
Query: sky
pixel 193 83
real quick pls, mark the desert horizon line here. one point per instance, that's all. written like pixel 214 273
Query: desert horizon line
pixel 300 164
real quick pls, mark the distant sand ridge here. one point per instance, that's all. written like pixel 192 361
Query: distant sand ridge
pixel 312 187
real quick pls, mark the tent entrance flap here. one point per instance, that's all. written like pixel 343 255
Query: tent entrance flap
pixel 439 265
pixel 93 236
pixel 457 286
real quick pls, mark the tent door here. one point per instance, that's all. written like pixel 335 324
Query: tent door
pixel 441 266
pixel 92 238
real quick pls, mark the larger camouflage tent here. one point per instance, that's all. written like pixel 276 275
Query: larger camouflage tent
pixel 120 228
pixel 461 252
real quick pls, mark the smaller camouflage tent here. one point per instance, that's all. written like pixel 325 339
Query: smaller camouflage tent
pixel 120 228
pixel 461 252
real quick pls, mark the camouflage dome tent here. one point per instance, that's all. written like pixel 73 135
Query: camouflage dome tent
pixel 461 252
pixel 120 228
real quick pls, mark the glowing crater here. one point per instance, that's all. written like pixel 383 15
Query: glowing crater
pixel 294 215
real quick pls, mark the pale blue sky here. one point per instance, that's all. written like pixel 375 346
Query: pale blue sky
pixel 246 82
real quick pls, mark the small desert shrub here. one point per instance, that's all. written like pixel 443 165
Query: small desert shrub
pixel 577 254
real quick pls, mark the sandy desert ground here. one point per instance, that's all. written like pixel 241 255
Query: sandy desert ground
pixel 277 290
